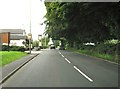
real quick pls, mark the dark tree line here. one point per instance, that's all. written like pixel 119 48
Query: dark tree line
pixel 81 22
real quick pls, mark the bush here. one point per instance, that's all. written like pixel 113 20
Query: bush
pixel 106 48
pixel 4 47
pixel 13 48
pixel 43 47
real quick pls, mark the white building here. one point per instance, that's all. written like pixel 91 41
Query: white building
pixel 17 36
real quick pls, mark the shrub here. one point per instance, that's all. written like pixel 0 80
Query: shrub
pixel 4 47
pixel 13 48
pixel 106 48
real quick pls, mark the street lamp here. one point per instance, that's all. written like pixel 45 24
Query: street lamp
pixel 30 35
pixel 30 38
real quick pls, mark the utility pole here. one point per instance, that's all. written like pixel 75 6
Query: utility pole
pixel 30 35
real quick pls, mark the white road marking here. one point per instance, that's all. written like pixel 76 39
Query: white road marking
pixel 83 74
pixel 78 69
pixel 62 55
pixel 67 60
pixel 59 52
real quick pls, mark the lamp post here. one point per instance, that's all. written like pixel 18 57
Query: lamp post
pixel 30 37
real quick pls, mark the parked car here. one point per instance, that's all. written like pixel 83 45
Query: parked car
pixel 52 46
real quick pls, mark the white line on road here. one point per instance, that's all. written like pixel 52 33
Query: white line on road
pixel 59 52
pixel 62 55
pixel 67 60
pixel 83 74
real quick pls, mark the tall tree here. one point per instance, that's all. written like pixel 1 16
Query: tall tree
pixel 80 22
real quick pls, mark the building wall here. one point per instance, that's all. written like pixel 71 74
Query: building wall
pixel 16 42
pixel 5 37
pixel 16 38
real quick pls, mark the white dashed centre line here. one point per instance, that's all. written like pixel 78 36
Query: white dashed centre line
pixel 67 60
pixel 59 52
pixel 77 69
pixel 62 55
pixel 83 74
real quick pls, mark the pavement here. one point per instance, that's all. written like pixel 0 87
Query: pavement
pixel 10 69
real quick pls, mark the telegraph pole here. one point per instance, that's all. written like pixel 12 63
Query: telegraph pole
pixel 30 35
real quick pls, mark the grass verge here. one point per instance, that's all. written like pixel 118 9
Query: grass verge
pixel 95 54
pixel 8 57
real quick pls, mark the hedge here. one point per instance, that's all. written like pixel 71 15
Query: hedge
pixel 13 48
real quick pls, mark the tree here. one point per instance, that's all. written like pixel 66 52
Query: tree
pixel 35 43
pixel 81 22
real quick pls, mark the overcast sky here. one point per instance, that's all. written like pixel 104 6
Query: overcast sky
pixel 15 14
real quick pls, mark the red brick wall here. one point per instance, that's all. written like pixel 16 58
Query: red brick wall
pixel 5 37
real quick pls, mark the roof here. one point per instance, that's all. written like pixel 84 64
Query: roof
pixel 13 31
pixel 17 37
pixel 15 34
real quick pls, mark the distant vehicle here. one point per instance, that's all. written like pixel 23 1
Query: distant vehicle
pixel 52 46
pixel 62 48
pixel 36 48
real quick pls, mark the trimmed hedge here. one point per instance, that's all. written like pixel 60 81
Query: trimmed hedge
pixel 13 48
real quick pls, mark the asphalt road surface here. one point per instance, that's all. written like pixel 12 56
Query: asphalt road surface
pixel 60 68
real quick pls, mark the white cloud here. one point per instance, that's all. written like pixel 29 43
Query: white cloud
pixel 16 14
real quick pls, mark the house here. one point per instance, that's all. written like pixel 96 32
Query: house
pixel 17 36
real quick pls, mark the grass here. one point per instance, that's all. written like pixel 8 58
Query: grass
pixel 8 57
pixel 100 55
pixel 95 54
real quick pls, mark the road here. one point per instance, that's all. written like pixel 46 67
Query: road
pixel 60 68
